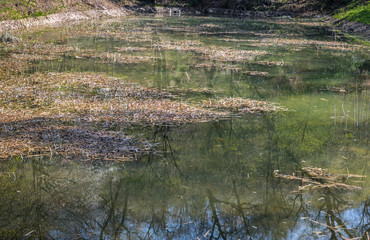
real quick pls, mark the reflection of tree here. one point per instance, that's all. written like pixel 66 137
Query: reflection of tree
pixel 163 133
pixel 136 205
pixel 38 201
pixel 328 220
pixel 364 224
pixel 116 213
pixel 214 177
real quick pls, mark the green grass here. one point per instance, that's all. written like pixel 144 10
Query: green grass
pixel 360 13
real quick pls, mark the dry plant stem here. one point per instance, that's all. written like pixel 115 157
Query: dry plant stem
pixel 322 224
pixel 319 178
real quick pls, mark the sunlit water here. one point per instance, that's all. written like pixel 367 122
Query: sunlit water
pixel 210 180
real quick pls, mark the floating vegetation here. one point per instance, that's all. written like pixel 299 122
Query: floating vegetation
pixel 283 42
pixel 238 40
pixel 228 54
pixel 298 43
pixel 19 55
pixel 192 92
pixel 217 65
pixel 43 136
pixel 40 49
pixel 241 105
pixel 10 66
pixel 301 23
pixel 273 63
pixel 31 57
pixel 211 52
pixel 85 100
pixel 235 33
pixel 131 49
pixel 318 178
pixel 186 45
pixel 221 66
pixel 70 114
pixel 114 57
pixel 256 73
pixel 209 25
pixel 57 112
pixel 128 35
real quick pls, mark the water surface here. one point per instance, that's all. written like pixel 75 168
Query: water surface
pixel 211 180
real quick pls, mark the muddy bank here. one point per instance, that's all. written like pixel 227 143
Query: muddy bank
pixel 58 19
pixel 360 29
pixel 355 28
pixel 212 11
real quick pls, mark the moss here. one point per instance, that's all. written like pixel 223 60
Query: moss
pixel 360 13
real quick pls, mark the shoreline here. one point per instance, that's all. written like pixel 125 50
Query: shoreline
pixel 58 19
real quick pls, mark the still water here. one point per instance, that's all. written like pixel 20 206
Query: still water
pixel 212 180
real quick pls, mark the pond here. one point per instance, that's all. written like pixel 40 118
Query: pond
pixel 241 176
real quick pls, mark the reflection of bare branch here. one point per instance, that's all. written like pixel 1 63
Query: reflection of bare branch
pixel 322 224
pixel 319 178
pixel 110 215
pixel 215 217
pixel 240 209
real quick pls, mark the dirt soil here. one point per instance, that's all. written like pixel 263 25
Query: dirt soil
pixel 355 28
pixel 58 19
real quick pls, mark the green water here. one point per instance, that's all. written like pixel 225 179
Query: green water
pixel 209 180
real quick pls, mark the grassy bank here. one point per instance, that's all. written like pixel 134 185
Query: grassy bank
pixel 351 10
pixel 355 12
pixel 18 9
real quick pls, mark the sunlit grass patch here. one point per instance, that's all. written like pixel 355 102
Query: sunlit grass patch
pixel 360 13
